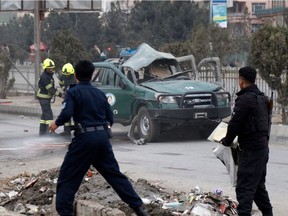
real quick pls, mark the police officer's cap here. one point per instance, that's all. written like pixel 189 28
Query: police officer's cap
pixel 248 73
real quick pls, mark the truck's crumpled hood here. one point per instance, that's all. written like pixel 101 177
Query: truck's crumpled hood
pixel 146 55
pixel 180 87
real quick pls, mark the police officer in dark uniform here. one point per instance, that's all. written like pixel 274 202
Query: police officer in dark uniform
pixel 90 111
pixel 251 123
pixel 67 79
pixel 46 91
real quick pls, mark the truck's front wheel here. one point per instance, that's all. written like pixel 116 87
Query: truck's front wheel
pixel 148 128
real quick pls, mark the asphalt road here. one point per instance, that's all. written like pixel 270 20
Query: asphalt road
pixel 179 162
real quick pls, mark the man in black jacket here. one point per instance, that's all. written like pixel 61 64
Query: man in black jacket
pixel 250 122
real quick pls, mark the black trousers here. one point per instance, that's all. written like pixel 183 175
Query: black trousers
pixel 47 113
pixel 46 116
pixel 91 148
pixel 251 179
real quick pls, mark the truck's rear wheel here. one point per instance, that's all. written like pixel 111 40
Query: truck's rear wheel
pixel 148 128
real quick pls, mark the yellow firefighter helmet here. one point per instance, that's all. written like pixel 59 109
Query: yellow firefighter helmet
pixel 68 69
pixel 48 63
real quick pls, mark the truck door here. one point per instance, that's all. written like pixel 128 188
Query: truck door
pixel 118 90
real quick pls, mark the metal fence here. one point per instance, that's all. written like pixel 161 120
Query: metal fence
pixel 20 83
pixel 229 77
pixel 230 83
pixel 28 71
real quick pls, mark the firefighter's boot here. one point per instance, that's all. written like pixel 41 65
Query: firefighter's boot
pixel 43 129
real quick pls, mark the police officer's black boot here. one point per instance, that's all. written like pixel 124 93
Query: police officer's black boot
pixel 267 212
pixel 140 211
pixel 43 129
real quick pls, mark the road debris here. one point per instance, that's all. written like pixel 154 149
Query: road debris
pixel 32 194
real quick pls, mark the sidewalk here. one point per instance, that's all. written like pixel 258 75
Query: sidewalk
pixel 28 105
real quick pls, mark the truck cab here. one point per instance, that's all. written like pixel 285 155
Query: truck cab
pixel 154 91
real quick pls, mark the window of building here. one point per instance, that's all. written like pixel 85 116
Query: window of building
pixel 278 3
pixel 255 27
pixel 238 7
pixel 258 6
pixel 280 21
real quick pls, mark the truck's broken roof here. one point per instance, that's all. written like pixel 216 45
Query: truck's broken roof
pixel 145 55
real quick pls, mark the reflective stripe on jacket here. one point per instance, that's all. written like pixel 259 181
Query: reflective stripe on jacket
pixel 46 86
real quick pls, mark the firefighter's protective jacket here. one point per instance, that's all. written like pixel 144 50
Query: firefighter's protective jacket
pixel 66 80
pixel 47 87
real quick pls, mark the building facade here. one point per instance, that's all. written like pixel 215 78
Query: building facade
pixel 256 13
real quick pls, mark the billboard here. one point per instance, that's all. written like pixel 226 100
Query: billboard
pixel 28 5
pixel 219 12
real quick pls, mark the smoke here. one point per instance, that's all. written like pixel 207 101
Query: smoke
pixel 25 147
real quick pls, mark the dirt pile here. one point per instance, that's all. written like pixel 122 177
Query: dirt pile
pixel 31 194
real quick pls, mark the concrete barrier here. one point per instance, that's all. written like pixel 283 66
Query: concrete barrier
pixel 89 208
pixel 279 134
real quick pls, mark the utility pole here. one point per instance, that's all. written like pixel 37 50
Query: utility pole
pixel 37 39
pixel 211 11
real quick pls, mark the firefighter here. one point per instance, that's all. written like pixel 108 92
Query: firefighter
pixel 46 91
pixel 66 79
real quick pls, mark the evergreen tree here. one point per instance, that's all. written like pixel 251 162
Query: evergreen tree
pixel 67 48
pixel 269 54
pixel 5 66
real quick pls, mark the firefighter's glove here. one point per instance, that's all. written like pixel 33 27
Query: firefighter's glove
pixel 59 94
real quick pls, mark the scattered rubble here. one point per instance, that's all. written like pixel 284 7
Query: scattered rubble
pixel 31 194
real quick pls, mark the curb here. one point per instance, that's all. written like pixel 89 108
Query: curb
pixel 24 110
pixel 20 110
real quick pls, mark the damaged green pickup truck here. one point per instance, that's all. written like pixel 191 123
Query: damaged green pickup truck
pixel 153 92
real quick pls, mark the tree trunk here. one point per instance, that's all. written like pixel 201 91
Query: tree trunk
pixel 3 92
pixel 284 116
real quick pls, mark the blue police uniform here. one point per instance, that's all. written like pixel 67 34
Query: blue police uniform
pixel 90 146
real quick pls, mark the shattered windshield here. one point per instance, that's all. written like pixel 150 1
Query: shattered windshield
pixel 162 74
pixel 156 71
